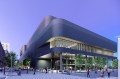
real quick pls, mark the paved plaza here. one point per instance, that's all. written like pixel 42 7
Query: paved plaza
pixel 39 75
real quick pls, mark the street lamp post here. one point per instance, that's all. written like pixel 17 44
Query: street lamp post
pixel 11 62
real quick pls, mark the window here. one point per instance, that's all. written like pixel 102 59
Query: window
pixel 69 43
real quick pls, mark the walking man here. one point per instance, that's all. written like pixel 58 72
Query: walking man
pixel 34 71
pixel 27 70
pixel 46 70
pixel 109 72
pixel 88 72
pixel 96 70
pixel 19 71
pixel 102 72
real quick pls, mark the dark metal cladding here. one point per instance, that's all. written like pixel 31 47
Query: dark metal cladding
pixel 53 27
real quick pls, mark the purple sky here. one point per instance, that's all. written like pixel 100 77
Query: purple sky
pixel 20 18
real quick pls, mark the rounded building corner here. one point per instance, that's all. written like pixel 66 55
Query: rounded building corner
pixel 58 22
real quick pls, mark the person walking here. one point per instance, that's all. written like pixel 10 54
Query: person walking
pixel 102 72
pixel 68 71
pixel 109 72
pixel 34 71
pixel 96 70
pixel 112 69
pixel 19 71
pixel 46 70
pixel 88 72
pixel 27 70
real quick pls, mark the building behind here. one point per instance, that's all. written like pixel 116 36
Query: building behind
pixel 23 49
pixel 2 55
pixel 6 47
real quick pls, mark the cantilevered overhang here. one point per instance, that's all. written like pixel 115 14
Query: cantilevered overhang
pixel 55 27
pixel 42 52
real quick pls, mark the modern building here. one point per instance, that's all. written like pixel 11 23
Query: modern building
pixel 6 47
pixel 2 55
pixel 23 49
pixel 57 42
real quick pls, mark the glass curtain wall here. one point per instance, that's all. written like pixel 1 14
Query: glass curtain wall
pixel 61 42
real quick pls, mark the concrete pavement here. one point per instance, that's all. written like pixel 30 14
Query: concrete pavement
pixel 39 75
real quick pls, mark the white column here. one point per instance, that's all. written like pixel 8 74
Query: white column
pixel 61 63
pixel 75 62
pixel 119 57
pixel 66 63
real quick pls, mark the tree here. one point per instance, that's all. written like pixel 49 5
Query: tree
pixel 8 59
pixel 79 60
pixel 20 64
pixel 89 61
pixel 100 61
pixel 27 62
pixel 115 63
pixel 104 61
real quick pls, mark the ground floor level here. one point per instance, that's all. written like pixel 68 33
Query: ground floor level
pixel 65 60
